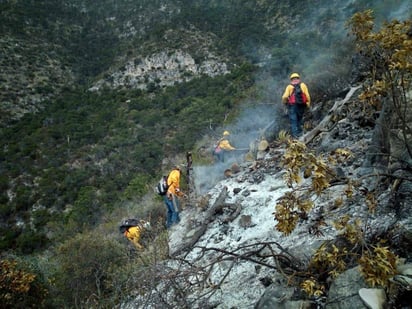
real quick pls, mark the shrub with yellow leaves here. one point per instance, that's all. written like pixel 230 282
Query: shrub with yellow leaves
pixel 19 288
pixel 283 136
pixel 298 161
pixel 312 287
pixel 389 80
pixel 329 260
pixel 378 265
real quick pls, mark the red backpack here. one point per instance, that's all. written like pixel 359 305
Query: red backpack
pixel 298 96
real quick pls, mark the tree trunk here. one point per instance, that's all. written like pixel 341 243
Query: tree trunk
pixel 379 151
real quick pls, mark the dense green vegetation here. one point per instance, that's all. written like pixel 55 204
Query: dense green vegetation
pixel 86 148
pixel 83 160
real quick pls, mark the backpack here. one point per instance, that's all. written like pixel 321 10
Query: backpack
pixel 128 223
pixel 298 96
pixel 216 147
pixel 162 186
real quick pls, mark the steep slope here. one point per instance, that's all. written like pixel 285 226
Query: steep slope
pixel 166 74
pixel 229 250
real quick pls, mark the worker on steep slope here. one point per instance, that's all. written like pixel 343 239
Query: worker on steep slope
pixel 296 97
pixel 171 198
pixel 223 146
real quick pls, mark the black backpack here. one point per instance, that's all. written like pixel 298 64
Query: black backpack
pixel 162 186
pixel 128 223
pixel 298 94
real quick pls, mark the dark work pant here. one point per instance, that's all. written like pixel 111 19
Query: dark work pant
pixel 296 112
pixel 220 156
pixel 172 206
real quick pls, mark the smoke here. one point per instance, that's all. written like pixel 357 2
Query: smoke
pixel 314 46
pixel 400 10
pixel 256 121
pixel 316 42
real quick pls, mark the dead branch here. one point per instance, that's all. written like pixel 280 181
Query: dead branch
pixel 210 215
pixel 234 214
pixel 202 278
pixel 220 200
pixel 234 211
pixel 287 260
pixel 323 126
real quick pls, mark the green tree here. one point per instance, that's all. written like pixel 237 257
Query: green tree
pixel 86 210
pixel 137 186
pixel 85 265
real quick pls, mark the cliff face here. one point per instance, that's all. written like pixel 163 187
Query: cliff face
pixel 50 47
pixel 169 66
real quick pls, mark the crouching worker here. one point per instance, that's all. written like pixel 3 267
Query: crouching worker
pixel 132 229
pixel 223 146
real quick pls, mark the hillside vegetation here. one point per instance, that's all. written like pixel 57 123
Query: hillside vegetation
pixel 62 143
pixel 73 162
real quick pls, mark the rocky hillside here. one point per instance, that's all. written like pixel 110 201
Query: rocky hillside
pixel 231 248
pixel 98 99
pixel 169 66
pixel 48 47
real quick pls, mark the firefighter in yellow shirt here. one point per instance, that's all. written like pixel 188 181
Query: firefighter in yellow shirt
pixel 297 99
pixel 222 147
pixel 171 198
pixel 132 230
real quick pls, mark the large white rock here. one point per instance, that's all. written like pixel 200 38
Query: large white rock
pixel 373 298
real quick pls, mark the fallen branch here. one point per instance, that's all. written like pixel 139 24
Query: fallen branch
pixel 283 262
pixel 218 204
pixel 324 124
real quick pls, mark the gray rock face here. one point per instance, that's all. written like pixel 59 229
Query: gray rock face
pixel 343 293
pixel 162 69
pixel 275 297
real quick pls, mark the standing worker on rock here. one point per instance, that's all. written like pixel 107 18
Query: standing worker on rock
pixel 223 145
pixel 297 99
pixel 171 197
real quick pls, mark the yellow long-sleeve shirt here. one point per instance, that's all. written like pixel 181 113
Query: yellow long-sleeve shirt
pixel 225 145
pixel 289 90
pixel 133 234
pixel 173 181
